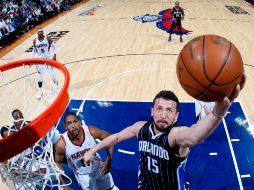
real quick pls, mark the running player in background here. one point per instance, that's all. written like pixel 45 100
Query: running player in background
pixel 178 15
pixel 74 143
pixel 43 47
pixel 163 145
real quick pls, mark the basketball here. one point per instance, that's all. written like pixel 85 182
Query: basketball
pixel 209 67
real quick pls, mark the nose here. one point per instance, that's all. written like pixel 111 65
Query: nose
pixel 163 114
pixel 72 124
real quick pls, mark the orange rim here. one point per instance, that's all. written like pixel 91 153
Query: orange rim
pixel 36 129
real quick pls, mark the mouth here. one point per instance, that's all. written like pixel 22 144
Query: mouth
pixel 163 122
pixel 75 132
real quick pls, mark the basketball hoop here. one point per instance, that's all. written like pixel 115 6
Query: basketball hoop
pixel 26 153
pixel 37 128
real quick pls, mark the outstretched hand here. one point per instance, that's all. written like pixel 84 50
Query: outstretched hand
pixel 88 157
pixel 222 106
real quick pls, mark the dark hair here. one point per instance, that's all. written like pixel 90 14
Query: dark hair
pixel 167 95
pixel 12 113
pixel 70 113
pixel 3 130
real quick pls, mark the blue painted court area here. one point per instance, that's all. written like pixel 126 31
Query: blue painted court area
pixel 224 161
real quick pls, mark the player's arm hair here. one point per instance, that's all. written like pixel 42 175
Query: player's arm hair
pixel 190 136
pixel 127 133
pixel 101 135
pixel 59 156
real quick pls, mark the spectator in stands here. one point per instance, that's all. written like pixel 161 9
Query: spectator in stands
pixel 18 16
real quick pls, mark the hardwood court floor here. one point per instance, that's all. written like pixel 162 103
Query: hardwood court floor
pixel 112 57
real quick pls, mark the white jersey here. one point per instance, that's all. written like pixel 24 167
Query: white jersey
pixel 22 161
pixel 25 163
pixel 42 48
pixel 75 153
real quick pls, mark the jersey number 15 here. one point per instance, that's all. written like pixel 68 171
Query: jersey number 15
pixel 152 165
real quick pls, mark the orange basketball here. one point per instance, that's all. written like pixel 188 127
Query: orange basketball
pixel 209 67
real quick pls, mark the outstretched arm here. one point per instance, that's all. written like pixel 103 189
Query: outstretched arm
pixel 187 137
pixel 101 135
pixel 111 140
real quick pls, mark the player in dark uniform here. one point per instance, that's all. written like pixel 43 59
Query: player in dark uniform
pixel 178 15
pixel 164 146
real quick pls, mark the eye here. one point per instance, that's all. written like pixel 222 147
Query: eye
pixel 158 108
pixel 169 110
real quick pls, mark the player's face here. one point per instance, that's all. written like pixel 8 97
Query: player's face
pixel 40 33
pixel 177 4
pixel 72 124
pixel 164 113
pixel 18 119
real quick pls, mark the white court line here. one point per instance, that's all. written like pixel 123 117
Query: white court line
pixel 233 155
pixel 115 76
pixel 213 153
pixel 126 152
pixel 248 121
pixel 245 175
pixel 235 140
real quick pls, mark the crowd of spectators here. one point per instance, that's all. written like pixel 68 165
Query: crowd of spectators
pixel 19 16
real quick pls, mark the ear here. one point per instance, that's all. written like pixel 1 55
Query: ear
pixel 176 116
pixel 152 111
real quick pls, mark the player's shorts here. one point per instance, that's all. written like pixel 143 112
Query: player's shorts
pixel 95 181
pixel 43 69
pixel 176 23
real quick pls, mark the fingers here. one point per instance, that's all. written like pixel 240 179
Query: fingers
pixel 242 83
pixel 87 161
pixel 235 94
pixel 206 109
pixel 238 88
pixel 102 169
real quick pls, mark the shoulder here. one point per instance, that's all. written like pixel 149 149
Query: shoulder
pixel 34 41
pixel 177 129
pixel 140 123
pixel 92 130
pixel 138 126
pixel 174 132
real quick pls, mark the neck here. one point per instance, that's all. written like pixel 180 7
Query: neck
pixel 155 130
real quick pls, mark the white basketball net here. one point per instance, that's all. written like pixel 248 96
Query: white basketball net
pixel 35 167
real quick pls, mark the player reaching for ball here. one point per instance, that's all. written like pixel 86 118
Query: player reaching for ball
pixel 163 145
